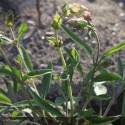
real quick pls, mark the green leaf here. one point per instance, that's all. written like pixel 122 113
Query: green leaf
pixel 77 40
pixel 15 114
pixel 5 39
pixel 88 113
pixel 107 77
pixel 4 109
pixel 24 103
pixel 120 67
pixel 22 30
pixel 6 72
pixel 102 97
pixel 73 61
pixel 37 73
pixel 26 58
pixel 4 99
pixel 44 104
pixel 10 91
pixel 114 49
pixel 61 90
pixel 75 55
pixel 123 112
pixel 101 120
pixel 45 86
pixel 59 101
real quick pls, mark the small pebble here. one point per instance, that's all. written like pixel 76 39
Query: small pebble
pixel 122 14
pixel 121 4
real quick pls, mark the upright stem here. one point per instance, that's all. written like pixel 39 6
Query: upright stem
pixel 68 85
pixel 38 13
pixel 110 103
pixel 62 58
pixel 100 108
pixel 94 70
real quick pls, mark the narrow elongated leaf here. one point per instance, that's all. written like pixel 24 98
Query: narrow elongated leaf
pixel 45 86
pixel 102 97
pixel 114 49
pixel 4 109
pixel 10 91
pixel 77 40
pixel 120 67
pixel 107 77
pixel 5 39
pixel 26 58
pixel 25 103
pixel 37 73
pixel 101 120
pixel 78 66
pixel 44 104
pixel 22 30
pixel 61 91
pixel 88 113
pixel 6 72
pixel 123 112
pixel 59 101
pixel 4 99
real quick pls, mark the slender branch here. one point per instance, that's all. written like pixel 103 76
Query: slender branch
pixel 38 13
pixel 68 85
pixel 94 70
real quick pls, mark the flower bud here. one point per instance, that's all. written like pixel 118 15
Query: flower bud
pixel 9 19
pixel 77 23
pixel 17 64
pixel 87 15
pixel 106 63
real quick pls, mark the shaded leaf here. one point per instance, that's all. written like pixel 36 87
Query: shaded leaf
pixel 107 77
pixel 44 104
pixel 77 40
pixel 123 112
pixel 102 97
pixel 59 101
pixel 120 67
pixel 88 113
pixel 26 58
pixel 45 86
pixel 101 120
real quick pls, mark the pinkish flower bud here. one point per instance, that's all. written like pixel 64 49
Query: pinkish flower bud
pixel 87 15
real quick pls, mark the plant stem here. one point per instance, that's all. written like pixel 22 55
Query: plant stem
pixel 69 89
pixel 12 33
pixel 62 59
pixel 68 85
pixel 110 103
pixel 38 13
pixel 28 99
pixel 94 70
pixel 100 108
pixel 17 47
pixel 98 47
